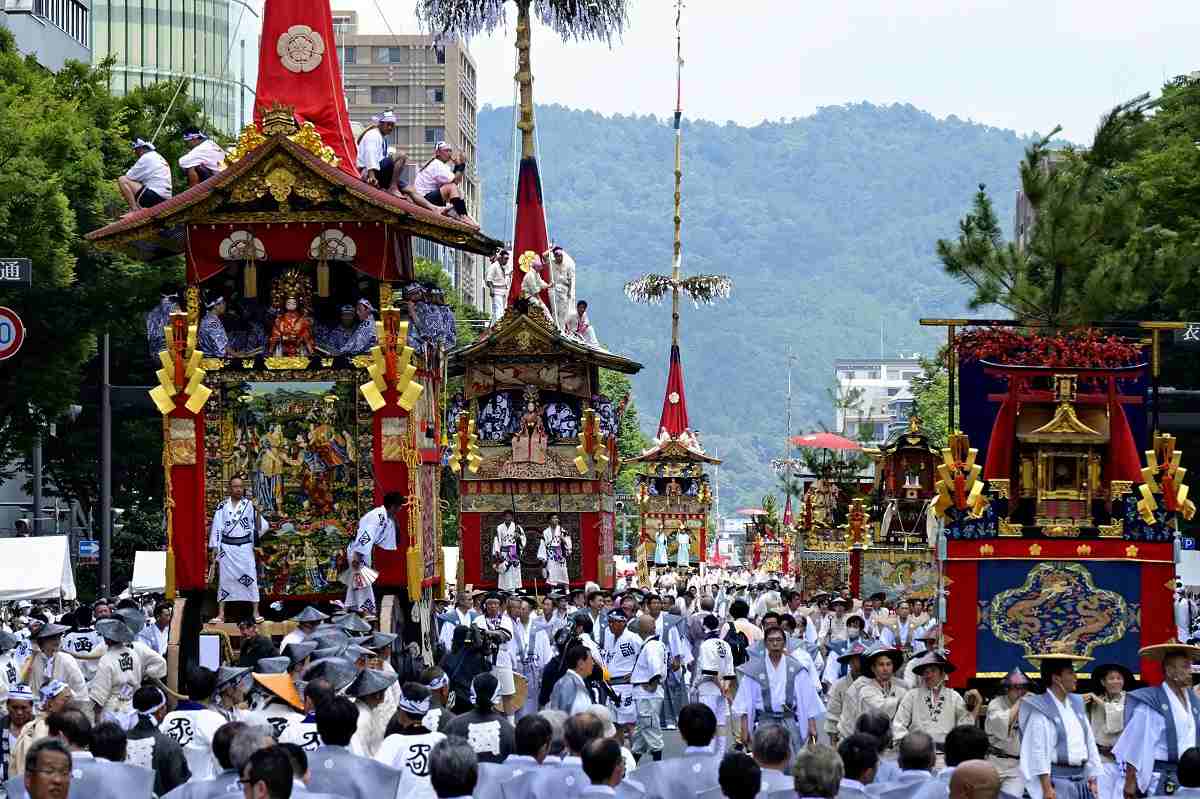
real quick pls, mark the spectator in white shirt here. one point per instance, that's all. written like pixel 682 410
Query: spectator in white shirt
pixel 378 169
pixel 439 183
pixel 154 635
pixel 203 159
pixel 148 181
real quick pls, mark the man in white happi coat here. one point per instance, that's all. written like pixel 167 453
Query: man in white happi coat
pixel 530 652
pixel 1161 723
pixel 714 677
pixel 931 707
pixel 499 628
pixel 507 547
pixel 120 672
pixel 497 279
pixel 649 673
pixel 620 649
pixel 901 633
pixel 1004 736
pixel 236 528
pixel 562 283
pixel 1059 758
pixel 377 528
pixel 776 689
pixel 553 551
pixel 50 663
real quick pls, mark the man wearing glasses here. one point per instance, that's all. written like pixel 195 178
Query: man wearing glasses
pixel 267 775
pixel 48 770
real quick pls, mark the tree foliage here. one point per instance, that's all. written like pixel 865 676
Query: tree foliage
pixel 570 19
pixel 931 389
pixel 63 140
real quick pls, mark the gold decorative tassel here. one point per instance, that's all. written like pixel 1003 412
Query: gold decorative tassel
pixel 323 278
pixel 250 279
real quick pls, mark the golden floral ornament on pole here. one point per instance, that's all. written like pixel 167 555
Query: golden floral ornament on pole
pixel 391 365
pixel 330 245
pixel 466 445
pixel 180 372
pixel 528 260
pixel 300 48
pixel 960 486
pixel 591 443
pixel 242 245
pixel 1163 475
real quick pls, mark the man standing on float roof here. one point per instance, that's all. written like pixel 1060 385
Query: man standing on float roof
pixel 1161 723
pixel 236 529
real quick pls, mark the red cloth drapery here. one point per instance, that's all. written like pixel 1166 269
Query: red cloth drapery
pixel 308 81
pixel 1122 461
pixel 379 251
pixel 674 412
pixel 530 229
pixel 1004 435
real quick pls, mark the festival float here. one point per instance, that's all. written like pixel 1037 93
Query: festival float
pixel 287 235
pixel 532 434
pixel 1060 504
pixel 672 491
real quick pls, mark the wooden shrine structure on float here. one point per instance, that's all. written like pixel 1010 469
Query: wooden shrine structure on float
pixel 542 437
pixel 320 437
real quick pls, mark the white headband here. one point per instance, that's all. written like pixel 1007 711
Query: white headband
pixel 438 683
pixel 413 708
pixel 162 700
pixel 495 694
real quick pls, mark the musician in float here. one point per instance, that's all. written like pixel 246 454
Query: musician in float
pixel 553 552
pixel 506 552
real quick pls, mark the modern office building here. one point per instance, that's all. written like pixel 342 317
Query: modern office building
pixel 213 43
pixel 875 396
pixel 52 31
pixel 430 86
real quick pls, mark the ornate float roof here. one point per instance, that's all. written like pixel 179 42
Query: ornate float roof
pixel 283 179
pixel 524 332
pixel 681 449
pixel 912 437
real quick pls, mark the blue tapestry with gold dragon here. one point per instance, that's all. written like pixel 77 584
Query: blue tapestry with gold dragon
pixel 1028 607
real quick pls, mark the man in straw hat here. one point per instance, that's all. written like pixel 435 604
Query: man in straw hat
pixel 50 663
pixel 931 706
pixel 1059 759
pixel 881 690
pixel 1004 737
pixel 307 622
pixel 120 671
pixel 851 661
pixel 1161 722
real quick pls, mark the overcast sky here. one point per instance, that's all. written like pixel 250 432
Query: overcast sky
pixel 1021 64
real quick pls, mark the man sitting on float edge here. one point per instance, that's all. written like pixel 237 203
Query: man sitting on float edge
pixel 440 184
pixel 148 181
pixel 379 169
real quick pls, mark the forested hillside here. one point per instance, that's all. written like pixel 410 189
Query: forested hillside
pixel 827 225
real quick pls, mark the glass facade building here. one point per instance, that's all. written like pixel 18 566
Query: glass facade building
pixel 158 40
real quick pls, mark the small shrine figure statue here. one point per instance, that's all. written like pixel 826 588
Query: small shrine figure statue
pixel 506 553
pixel 292 333
pixel 553 552
pixel 683 540
pixel 529 442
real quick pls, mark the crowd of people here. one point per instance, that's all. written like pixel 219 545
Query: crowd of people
pixel 582 693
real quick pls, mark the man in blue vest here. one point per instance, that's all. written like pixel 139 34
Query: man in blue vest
pixel 1161 723
pixel 1059 759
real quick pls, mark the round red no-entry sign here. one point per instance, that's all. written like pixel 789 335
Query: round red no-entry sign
pixel 12 333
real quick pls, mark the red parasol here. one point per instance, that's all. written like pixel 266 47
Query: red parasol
pixel 824 441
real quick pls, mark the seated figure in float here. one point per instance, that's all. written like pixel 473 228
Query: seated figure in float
pixel 292 333
pixel 579 326
pixel 529 443
pixel 532 284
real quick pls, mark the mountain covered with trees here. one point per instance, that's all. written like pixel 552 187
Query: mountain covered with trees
pixel 827 225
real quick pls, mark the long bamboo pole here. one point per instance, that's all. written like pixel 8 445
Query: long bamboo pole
pixel 676 260
pixel 524 78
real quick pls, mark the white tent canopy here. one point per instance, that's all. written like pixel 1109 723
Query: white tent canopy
pixel 149 573
pixel 36 568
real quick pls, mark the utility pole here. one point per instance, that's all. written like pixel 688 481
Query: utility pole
pixel 37 480
pixel 105 477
